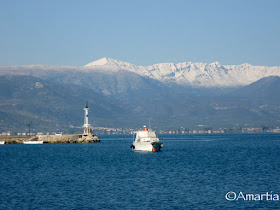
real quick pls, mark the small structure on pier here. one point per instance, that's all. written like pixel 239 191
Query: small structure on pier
pixel 87 136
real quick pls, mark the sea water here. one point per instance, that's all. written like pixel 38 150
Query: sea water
pixel 191 172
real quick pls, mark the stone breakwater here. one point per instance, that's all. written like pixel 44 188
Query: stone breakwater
pixel 17 139
pixel 71 138
pixel 74 138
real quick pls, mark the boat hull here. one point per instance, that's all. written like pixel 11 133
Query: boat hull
pixel 147 146
pixel 2 142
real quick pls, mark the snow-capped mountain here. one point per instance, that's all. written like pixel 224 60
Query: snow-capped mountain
pixel 118 74
pixel 195 74
pixel 121 92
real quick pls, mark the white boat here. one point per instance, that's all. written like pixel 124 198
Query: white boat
pixel 2 142
pixel 33 142
pixel 146 140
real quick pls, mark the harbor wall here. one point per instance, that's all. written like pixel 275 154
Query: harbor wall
pixel 71 138
pixel 59 138
pixel 17 139
pixel 74 138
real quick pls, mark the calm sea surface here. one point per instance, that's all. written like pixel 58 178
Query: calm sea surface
pixel 191 172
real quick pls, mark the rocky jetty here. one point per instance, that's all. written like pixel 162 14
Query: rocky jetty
pixel 17 139
pixel 71 138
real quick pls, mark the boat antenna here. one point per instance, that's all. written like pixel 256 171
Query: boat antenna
pixel 149 124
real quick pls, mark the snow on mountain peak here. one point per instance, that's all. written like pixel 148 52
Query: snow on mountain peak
pixel 215 64
pixel 110 62
pixel 100 62
pixel 195 74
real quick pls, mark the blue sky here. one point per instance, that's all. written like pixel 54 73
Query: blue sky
pixel 142 32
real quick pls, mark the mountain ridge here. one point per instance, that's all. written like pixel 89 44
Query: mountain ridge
pixel 196 74
pixel 186 74
pixel 52 105
pixel 266 88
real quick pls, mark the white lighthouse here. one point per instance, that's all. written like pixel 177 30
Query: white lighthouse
pixel 87 136
pixel 87 129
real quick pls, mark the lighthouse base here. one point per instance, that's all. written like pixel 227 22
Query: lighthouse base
pixel 88 138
